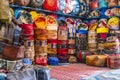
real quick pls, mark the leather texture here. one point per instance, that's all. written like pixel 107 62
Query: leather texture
pixel 12 52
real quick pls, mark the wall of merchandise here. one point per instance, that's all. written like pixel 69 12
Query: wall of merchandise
pixel 64 30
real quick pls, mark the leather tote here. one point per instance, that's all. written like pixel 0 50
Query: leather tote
pixel 11 52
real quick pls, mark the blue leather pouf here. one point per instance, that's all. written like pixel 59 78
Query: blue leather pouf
pixel 53 61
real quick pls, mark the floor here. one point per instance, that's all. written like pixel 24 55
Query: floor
pixel 74 71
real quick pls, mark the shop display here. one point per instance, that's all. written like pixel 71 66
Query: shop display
pixel 37 33
pixel 81 36
pixel 62 41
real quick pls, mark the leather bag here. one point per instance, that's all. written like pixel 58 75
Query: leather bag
pixel 11 52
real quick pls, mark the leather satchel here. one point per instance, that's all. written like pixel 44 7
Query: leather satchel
pixel 11 52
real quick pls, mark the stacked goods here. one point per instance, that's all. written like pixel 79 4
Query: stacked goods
pixel 52 28
pixel 113 61
pixel 96 60
pixel 52 35
pixel 71 40
pixel 27 38
pixel 92 38
pixel 41 40
pixel 102 31
pixel 112 45
pixel 81 37
pixel 62 41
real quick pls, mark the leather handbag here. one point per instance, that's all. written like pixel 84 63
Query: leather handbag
pixel 42 73
pixel 6 32
pixel 36 3
pixel 22 2
pixel 25 73
pixel 12 52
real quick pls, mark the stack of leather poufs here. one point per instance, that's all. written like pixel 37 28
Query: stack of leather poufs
pixel 92 38
pixel 71 40
pixel 113 40
pixel 102 33
pixel 52 28
pixel 62 41
pixel 41 40
pixel 81 38
pixel 27 38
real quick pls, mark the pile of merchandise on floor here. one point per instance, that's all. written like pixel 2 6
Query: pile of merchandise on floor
pixel 36 32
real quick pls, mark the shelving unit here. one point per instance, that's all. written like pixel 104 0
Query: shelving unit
pixel 61 14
